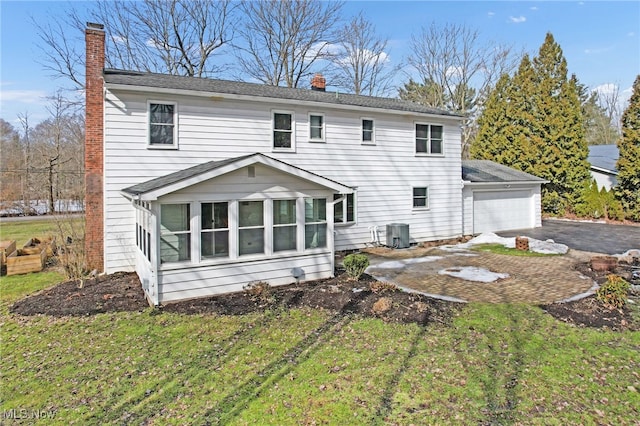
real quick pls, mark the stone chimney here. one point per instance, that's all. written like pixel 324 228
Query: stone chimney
pixel 94 148
pixel 318 83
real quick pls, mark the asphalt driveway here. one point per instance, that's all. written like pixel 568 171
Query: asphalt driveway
pixel 584 236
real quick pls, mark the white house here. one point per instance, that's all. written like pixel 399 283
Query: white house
pixel 202 186
pixel 603 160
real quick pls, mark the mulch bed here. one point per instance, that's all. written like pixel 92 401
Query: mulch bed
pixel 122 292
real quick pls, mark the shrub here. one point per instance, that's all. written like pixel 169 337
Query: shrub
pixel 382 305
pixel 259 292
pixel 355 264
pixel 381 287
pixel 613 294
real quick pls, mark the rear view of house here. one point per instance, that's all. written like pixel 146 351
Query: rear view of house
pixel 202 186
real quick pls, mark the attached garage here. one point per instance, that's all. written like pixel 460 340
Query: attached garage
pixel 498 198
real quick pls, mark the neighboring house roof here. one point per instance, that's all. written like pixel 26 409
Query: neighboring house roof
pixel 603 158
pixel 485 171
pixel 115 78
pixel 154 188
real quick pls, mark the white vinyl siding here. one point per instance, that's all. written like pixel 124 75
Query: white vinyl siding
pixel 219 129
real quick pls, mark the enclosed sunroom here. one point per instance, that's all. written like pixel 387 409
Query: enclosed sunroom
pixel 218 226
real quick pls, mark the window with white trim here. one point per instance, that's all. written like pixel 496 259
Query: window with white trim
pixel 316 127
pixel 282 130
pixel 368 131
pixel 162 125
pixel 285 227
pixel 250 227
pixel 344 211
pixel 214 230
pixel 175 232
pixel 315 223
pixel 421 197
pixel 428 139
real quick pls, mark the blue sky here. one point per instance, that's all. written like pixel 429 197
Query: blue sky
pixel 600 39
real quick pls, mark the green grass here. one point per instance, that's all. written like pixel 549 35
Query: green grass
pixel 500 249
pixel 498 364
pixel 495 364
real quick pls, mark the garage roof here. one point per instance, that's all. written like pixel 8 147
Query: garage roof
pixel 486 171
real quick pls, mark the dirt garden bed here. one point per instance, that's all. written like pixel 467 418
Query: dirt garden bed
pixel 122 292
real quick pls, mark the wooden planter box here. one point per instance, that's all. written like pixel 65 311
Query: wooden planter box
pixel 21 262
pixel 6 248
pixel 604 263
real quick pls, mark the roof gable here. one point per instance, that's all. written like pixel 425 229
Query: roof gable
pixel 133 80
pixel 163 185
pixel 485 171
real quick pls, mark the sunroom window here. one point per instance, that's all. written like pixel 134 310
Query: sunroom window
pixel 214 237
pixel 175 233
pixel 284 225
pixel 250 227
pixel 315 219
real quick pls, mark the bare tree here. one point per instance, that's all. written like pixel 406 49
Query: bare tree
pixel 11 164
pixel 608 99
pixel 453 57
pixel 284 39
pixel 362 64
pixel 179 37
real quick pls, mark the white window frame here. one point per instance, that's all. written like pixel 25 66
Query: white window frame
pixel 188 231
pixel 174 145
pixel 322 137
pixel 324 223
pixel 429 140
pixel 294 224
pixel 292 148
pixel 265 227
pixel 426 197
pixel 373 131
pixel 344 206
pixel 213 231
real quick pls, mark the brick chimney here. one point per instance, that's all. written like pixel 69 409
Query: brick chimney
pixel 94 148
pixel 318 83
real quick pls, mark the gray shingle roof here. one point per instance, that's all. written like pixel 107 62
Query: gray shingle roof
pixel 604 157
pixel 133 78
pixel 170 179
pixel 486 171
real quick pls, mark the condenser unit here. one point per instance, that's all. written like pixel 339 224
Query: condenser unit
pixel 398 235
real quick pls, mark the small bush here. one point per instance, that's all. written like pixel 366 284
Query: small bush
pixel 355 264
pixel 259 292
pixel 382 305
pixel 613 294
pixel 381 287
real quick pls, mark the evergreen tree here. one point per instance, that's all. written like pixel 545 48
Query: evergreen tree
pixel 533 122
pixel 628 187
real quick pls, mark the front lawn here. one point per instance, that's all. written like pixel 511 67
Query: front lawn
pixel 493 364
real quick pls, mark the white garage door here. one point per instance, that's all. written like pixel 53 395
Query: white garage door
pixel 502 211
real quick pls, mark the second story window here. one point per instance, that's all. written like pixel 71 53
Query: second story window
pixel 162 125
pixel 428 139
pixel 282 130
pixel 316 127
pixel 367 131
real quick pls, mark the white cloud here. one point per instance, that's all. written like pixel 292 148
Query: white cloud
pixel 598 50
pixel 533 8
pixel 631 33
pixel 23 96
pixel 490 14
pixel 517 19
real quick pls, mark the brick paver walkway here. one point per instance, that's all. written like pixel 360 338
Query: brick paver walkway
pixel 531 279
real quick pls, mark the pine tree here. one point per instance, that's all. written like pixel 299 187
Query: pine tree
pixel 628 187
pixel 534 124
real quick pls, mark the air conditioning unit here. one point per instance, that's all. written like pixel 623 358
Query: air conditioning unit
pixel 398 235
